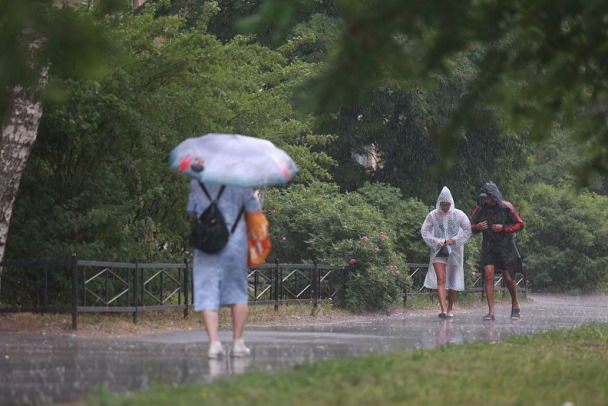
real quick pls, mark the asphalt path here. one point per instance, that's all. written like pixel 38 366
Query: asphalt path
pixel 37 370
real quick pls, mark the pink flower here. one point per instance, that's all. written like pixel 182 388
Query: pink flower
pixel 382 236
pixel 376 249
pixel 284 238
pixel 353 261
pixel 371 244
pixel 365 238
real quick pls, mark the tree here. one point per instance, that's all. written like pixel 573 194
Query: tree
pixel 37 39
pixel 98 176
pixel 539 64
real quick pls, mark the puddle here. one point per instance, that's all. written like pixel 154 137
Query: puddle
pixel 36 370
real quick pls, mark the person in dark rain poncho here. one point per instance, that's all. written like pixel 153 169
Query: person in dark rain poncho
pixel 499 222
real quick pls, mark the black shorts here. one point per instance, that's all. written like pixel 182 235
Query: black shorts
pixel 501 260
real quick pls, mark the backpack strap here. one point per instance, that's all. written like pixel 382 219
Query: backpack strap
pixel 238 218
pixel 219 194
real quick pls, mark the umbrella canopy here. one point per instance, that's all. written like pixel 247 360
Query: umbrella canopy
pixel 235 160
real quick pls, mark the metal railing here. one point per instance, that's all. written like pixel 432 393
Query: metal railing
pixel 417 273
pixel 283 283
pixel 79 286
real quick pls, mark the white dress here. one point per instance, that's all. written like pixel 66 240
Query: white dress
pixel 439 226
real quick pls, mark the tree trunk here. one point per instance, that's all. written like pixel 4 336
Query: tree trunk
pixel 19 131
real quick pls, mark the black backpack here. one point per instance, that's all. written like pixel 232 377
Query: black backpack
pixel 210 233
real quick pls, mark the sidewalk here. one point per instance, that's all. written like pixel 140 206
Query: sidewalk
pixel 39 369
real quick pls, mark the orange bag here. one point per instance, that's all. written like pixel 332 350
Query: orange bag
pixel 259 238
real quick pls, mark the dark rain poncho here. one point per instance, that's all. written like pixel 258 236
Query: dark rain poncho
pixel 497 245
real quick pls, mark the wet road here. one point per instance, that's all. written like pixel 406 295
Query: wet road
pixel 37 370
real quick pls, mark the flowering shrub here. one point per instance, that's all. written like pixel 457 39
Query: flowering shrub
pixel 378 274
pixel 317 222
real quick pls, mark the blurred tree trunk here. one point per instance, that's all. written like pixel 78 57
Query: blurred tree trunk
pixel 19 130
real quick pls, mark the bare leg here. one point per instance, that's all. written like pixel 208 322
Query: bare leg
pixel 512 287
pixel 440 272
pixel 451 299
pixel 211 319
pixel 488 274
pixel 239 317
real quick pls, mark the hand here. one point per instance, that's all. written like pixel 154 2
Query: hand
pixel 440 244
pixel 497 228
pixel 481 226
pixel 451 241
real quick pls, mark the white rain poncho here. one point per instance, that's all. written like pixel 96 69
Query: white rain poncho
pixel 439 226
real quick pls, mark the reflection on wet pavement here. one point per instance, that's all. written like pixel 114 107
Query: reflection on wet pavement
pixel 36 370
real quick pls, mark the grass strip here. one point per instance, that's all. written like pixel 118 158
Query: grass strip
pixel 553 368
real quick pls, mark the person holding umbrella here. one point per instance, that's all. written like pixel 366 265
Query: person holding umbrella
pixel 220 279
pixel 446 230
pixel 498 221
pixel 225 168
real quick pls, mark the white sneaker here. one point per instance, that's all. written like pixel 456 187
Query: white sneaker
pixel 239 349
pixel 215 350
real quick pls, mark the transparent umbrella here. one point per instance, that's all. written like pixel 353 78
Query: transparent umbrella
pixel 235 160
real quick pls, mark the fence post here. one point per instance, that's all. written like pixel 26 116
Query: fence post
pixel 162 286
pixel 46 289
pixel 316 283
pixel 74 268
pixel 186 283
pixel 345 271
pixel 256 280
pixel 135 290
pixel 276 284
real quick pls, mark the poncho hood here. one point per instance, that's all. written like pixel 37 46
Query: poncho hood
pixel 489 189
pixel 445 196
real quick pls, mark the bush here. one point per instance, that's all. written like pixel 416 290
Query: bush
pixel 316 222
pixel 567 241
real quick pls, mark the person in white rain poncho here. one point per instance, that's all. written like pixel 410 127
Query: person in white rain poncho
pixel 446 230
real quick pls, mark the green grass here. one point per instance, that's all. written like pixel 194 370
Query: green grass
pixel 552 368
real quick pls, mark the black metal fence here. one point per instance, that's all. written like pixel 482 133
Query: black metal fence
pixel 78 286
pixel 417 273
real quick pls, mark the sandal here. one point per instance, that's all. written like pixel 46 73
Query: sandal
pixel 449 315
pixel 489 316
pixel 515 314
pixel 442 315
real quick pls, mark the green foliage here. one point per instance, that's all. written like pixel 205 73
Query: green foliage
pixel 314 39
pixel 399 124
pixel 567 246
pixel 98 183
pixel 538 64
pixel 34 34
pixel 405 217
pixel 316 222
pixel 275 20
